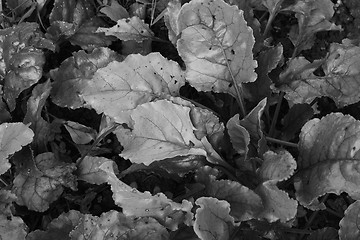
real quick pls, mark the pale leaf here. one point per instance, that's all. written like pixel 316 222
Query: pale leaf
pixel 215 44
pixel 13 136
pixel 349 227
pixel 329 159
pixel 120 87
pixel 89 170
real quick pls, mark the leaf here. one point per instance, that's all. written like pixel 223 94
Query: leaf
pixel 341 69
pixel 162 130
pixel 239 136
pixel 22 59
pixel 134 203
pixel 18 6
pixel 297 116
pixel 267 61
pixel 35 105
pixel 75 73
pixel 76 22
pixel 313 16
pixel 120 87
pixel 171 20
pixel 6 200
pixel 115 11
pixel 40 181
pixel 115 225
pixel 12 228
pixel 215 45
pixel 89 170
pixel 13 136
pixel 328 160
pixel 129 29
pixel 59 228
pixel 277 203
pixel 212 219
pixel 79 133
pixel 349 228
pixel 252 123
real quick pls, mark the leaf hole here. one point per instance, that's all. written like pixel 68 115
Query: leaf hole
pixel 232 51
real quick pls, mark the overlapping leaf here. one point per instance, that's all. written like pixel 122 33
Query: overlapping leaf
pixel 329 159
pixel 216 46
pixel 89 170
pixel 341 80
pixel 277 203
pixel 120 87
pixel 75 73
pixel 213 220
pixel 40 181
pixel 162 130
pixel 22 59
pixel 142 204
pixel 13 136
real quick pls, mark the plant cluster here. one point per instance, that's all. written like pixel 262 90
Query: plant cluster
pixel 201 119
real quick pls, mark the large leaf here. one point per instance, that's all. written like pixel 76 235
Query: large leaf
pixel 143 204
pixel 212 219
pixel 22 59
pixel 120 87
pixel 13 136
pixel 216 46
pixel 75 73
pixel 162 130
pixel 340 82
pixel 329 159
pixel 40 181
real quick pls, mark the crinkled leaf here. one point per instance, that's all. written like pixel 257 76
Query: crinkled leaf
pixel 212 219
pixel 6 200
pixel 253 124
pixel 89 170
pixel 79 133
pixel 129 29
pixel 328 160
pixel 12 228
pixel 35 106
pixel 293 121
pixel 22 59
pixel 239 136
pixel 114 11
pixel 40 181
pixel 349 227
pixel 341 80
pixel 143 204
pixel 59 228
pixel 120 87
pixel 13 136
pixel 277 203
pixel 267 61
pixel 115 225
pixel 162 130
pixel 327 233
pixel 215 44
pixel 313 16
pixel 75 74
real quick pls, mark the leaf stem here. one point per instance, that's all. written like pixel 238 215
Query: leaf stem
pixel 3 182
pixel 276 114
pixel 238 88
pixel 285 143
